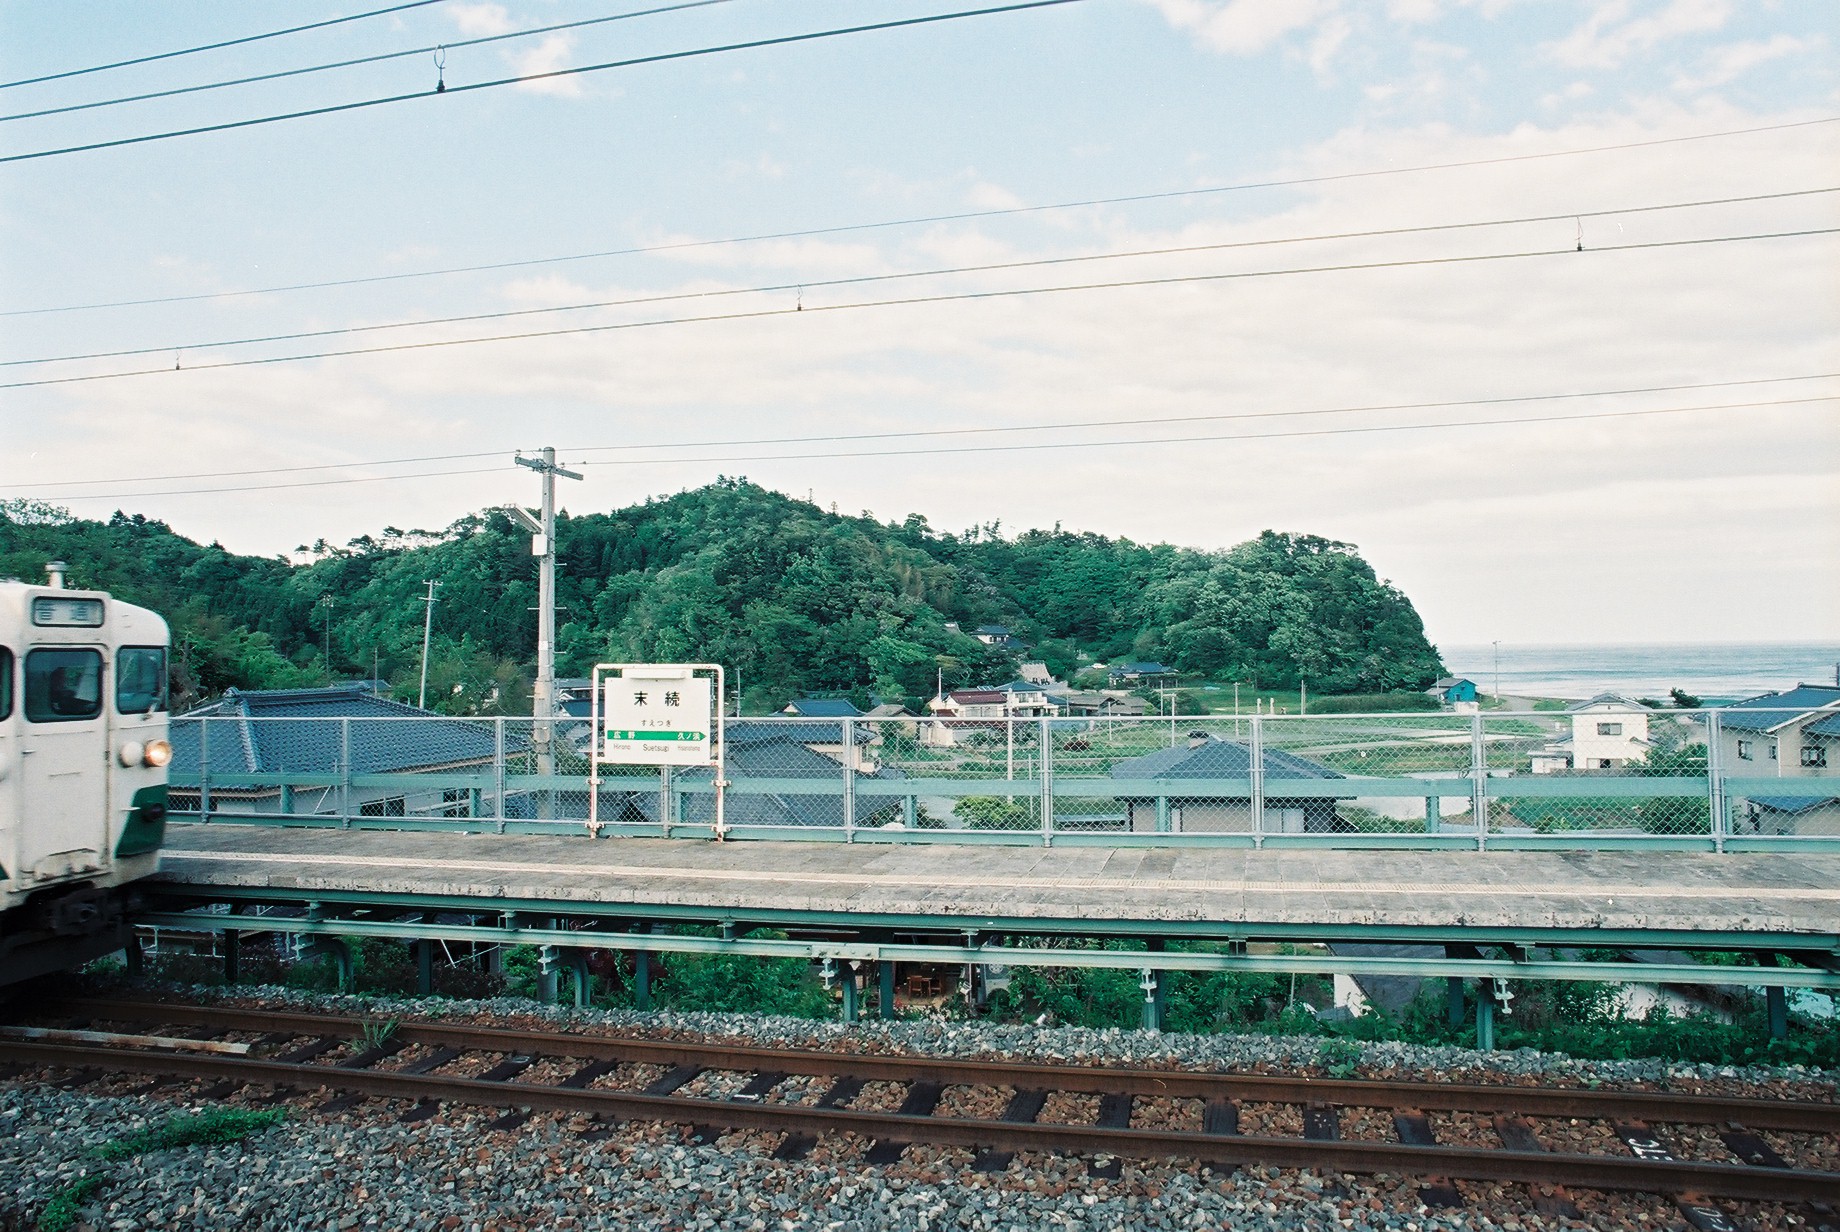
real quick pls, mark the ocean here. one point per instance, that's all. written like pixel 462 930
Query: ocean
pixel 1711 672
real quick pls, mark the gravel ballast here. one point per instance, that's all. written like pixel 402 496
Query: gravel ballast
pixel 362 1169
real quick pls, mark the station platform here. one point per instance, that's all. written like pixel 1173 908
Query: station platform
pixel 1571 897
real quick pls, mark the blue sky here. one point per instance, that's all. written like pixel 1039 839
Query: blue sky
pixel 1643 527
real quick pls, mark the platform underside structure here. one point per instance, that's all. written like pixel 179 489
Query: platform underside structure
pixel 856 908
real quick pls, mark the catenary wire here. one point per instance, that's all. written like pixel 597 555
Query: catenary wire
pixel 1067 425
pixel 847 228
pixel 662 57
pixel 964 449
pixel 909 275
pixel 434 48
pixel 917 300
pixel 235 42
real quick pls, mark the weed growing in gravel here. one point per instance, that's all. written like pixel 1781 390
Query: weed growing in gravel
pixel 206 1128
pixel 377 1034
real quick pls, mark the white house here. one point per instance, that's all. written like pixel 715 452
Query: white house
pixel 1608 731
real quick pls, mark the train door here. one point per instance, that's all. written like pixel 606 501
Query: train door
pixel 63 747
pixel 9 766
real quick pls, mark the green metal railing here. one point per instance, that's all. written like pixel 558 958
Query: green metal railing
pixel 1418 780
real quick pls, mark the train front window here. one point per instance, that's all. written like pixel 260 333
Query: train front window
pixel 140 679
pixel 63 686
pixel 6 683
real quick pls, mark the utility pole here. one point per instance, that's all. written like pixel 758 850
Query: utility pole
pixel 543 546
pixel 326 601
pixel 1497 646
pixel 421 699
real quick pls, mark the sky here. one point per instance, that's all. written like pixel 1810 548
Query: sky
pixel 1535 303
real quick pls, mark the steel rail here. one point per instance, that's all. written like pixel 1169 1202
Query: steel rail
pixel 1732 1181
pixel 1806 1116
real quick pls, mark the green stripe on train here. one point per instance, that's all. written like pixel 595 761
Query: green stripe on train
pixel 145 828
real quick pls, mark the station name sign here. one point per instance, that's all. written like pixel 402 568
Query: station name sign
pixel 657 715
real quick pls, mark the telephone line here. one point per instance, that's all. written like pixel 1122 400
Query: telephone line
pixel 1108 444
pixel 888 224
pixel 432 49
pixel 915 300
pixel 928 432
pixel 657 58
pixel 235 42
pixel 866 279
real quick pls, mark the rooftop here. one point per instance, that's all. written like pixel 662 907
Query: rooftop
pixel 274 730
pixel 1772 710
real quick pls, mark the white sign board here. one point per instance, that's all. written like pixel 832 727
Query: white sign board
pixel 657 716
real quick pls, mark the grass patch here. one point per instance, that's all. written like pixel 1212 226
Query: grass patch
pixel 218 1126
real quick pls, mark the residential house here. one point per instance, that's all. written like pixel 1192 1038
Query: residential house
pixel 1101 703
pixel 823 708
pixel 765 751
pixel 1137 673
pixel 1207 757
pixel 1036 672
pixel 246 745
pixel 1454 691
pixel 963 712
pixel 1794 734
pixel 1609 731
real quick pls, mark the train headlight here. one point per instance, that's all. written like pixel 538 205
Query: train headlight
pixel 132 752
pixel 158 753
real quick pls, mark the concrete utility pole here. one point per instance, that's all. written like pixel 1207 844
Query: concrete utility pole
pixel 543 546
pixel 421 699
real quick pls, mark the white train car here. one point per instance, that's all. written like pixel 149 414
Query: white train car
pixel 83 755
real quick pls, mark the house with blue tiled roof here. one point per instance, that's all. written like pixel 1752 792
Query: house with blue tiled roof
pixel 1209 757
pixel 823 708
pixel 363 750
pixel 1794 734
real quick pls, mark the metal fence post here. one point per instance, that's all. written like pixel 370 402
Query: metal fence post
pixel 849 780
pixel 1478 782
pixel 1257 773
pixel 1715 782
pixel 666 799
pixel 1047 782
pixel 204 769
pixel 498 770
pixel 345 773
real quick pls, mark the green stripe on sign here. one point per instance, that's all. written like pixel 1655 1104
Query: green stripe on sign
pixel 657 735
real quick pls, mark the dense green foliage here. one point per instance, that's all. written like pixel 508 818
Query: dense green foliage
pixel 791 598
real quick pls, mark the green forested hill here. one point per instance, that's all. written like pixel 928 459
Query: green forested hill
pixel 793 598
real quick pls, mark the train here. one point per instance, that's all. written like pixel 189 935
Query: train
pixel 83 754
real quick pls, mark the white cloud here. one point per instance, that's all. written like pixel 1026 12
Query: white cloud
pixel 1610 36
pixel 552 53
pixel 986 196
pixel 1732 61
pixel 1243 27
pixel 480 20
pixel 1514 531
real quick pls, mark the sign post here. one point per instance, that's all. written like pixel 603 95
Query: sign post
pixel 657 714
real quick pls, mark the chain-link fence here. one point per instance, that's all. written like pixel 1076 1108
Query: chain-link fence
pixel 1604 772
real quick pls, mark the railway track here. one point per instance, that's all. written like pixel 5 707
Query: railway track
pixel 299 1054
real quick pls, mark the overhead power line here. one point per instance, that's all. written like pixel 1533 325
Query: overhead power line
pixel 1065 425
pixel 888 224
pixel 1361 429
pixel 868 279
pixel 918 300
pixel 431 49
pixel 235 42
pixel 553 74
